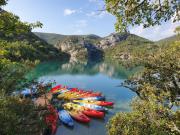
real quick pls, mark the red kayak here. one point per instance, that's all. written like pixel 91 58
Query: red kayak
pixel 93 113
pixel 51 119
pixel 86 92
pixel 55 88
pixel 85 110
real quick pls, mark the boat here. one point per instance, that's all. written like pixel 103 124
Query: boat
pixel 94 107
pixel 101 103
pixel 65 118
pixel 60 91
pixel 59 88
pixel 97 98
pixel 51 119
pixel 55 88
pixel 72 95
pixel 85 110
pixel 77 114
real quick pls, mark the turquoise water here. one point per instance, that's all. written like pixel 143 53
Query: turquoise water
pixel 103 77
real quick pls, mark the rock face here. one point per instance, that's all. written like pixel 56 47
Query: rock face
pixel 111 40
pixel 79 47
pixel 91 47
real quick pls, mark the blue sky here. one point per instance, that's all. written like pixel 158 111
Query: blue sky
pixel 78 17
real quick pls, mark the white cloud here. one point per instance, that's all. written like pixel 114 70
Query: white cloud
pixel 157 32
pixel 69 12
pixel 98 14
pixel 93 0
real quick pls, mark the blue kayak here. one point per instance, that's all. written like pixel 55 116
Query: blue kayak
pixel 65 118
pixel 28 91
pixel 94 107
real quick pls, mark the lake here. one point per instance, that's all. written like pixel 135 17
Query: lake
pixel 103 77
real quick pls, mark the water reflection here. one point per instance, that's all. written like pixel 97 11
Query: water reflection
pixel 112 70
pixel 99 76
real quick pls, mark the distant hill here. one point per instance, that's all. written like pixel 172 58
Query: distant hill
pixel 50 38
pixel 169 39
pixel 115 45
pixel 53 38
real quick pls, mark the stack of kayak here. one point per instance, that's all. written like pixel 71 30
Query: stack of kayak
pixel 80 105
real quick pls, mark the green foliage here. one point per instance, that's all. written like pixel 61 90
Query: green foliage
pixel 161 71
pixel 19 117
pixel 19 51
pixel 10 25
pixel 157 87
pixel 145 12
pixel 12 73
pixel 148 117
pixel 130 51
pixel 3 2
pixel 52 38
pixel 169 40
pixel 177 30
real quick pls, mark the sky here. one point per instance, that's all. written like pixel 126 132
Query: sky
pixel 69 17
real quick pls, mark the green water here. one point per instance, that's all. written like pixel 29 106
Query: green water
pixel 103 77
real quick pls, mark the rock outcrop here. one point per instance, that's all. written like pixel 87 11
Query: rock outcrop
pixel 112 40
pixel 79 47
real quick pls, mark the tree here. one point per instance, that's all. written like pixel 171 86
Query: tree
pixel 177 30
pixel 148 117
pixel 145 12
pixel 3 2
pixel 161 70
pixel 158 88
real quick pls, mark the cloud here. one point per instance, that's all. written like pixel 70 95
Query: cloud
pixel 157 32
pixel 98 14
pixel 93 0
pixel 69 12
pixel 99 3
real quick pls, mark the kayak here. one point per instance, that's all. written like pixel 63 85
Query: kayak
pixel 94 107
pixel 51 119
pixel 101 103
pixel 28 92
pixel 71 95
pixel 60 91
pixel 78 115
pixel 55 88
pixel 65 118
pixel 85 110
pixel 98 98
pixel 83 91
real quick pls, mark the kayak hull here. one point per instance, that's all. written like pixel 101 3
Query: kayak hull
pixel 66 118
pixel 100 103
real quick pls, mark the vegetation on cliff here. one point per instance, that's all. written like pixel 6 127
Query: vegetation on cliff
pixel 20 50
pixel 154 111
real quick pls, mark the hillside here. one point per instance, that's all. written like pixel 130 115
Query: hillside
pixel 29 47
pixel 169 39
pixel 50 38
pixel 53 38
pixel 122 47
pixel 113 46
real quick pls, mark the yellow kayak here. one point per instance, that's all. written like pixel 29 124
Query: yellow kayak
pixel 85 110
pixel 76 114
pixel 101 103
